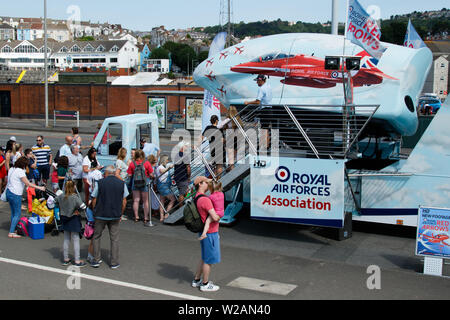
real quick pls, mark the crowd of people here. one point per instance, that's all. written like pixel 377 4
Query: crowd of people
pixel 146 173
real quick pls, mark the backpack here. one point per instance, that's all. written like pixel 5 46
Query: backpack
pixel 22 227
pixel 192 218
pixel 139 177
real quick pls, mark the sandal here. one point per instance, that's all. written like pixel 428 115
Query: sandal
pixel 14 235
pixel 137 219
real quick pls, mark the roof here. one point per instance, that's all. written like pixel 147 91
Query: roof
pixel 439 47
pixel 132 118
pixel 5 26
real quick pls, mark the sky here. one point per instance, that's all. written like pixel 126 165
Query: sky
pixel 143 15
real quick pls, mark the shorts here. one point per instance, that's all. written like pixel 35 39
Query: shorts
pixel 183 186
pixel 210 248
pixel 44 171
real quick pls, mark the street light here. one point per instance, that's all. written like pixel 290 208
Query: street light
pixel 46 63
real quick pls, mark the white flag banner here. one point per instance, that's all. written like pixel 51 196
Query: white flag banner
pixel 412 38
pixel 211 105
pixel 363 30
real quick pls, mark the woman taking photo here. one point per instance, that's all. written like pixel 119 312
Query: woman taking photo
pixel 17 180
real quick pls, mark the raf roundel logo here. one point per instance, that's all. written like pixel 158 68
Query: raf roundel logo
pixel 334 74
pixel 282 174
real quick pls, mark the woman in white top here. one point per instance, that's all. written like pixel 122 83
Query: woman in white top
pixel 17 180
pixel 17 152
pixel 89 164
pixel 121 166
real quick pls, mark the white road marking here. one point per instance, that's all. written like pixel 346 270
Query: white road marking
pixel 278 288
pixel 105 280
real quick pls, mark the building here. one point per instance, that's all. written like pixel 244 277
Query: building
pixel 116 57
pixel 6 32
pixel 113 57
pixel 438 80
pixel 24 54
pixel 59 32
pixel 156 65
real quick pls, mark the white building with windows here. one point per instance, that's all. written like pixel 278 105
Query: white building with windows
pixel 116 57
pixel 24 54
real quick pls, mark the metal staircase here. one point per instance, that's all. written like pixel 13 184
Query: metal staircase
pixel 304 131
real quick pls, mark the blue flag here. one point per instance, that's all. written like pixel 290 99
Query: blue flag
pixel 412 38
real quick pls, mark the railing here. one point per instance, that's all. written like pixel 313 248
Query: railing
pixel 304 131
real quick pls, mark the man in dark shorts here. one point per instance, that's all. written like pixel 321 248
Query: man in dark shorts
pixel 210 246
pixel 216 147
pixel 43 154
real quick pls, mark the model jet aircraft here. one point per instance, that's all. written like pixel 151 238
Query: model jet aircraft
pixel 308 71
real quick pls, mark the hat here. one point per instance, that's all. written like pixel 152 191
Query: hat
pixel 142 140
pixel 260 77
pixel 12 138
pixel 201 179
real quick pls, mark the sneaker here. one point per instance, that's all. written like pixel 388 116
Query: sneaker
pixel 80 264
pixel 66 263
pixel 95 264
pixel 196 284
pixel 114 266
pixel 149 224
pixel 124 218
pixel 209 287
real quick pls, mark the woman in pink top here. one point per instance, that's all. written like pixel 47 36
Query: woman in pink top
pixel 217 198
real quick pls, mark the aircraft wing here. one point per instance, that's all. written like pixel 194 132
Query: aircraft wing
pixel 376 72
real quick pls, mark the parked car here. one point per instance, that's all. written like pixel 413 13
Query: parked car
pixel 429 105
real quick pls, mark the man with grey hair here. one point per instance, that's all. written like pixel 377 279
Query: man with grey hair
pixel 109 201
pixel 76 166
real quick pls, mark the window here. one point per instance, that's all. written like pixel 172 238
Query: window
pixel 111 141
pixel 63 49
pixel 6 49
pixel 113 60
pixel 114 49
pixel 89 48
pixel 25 49
pixel 75 48
pixel 145 131
pixel 100 48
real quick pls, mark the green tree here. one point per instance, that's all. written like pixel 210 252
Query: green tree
pixel 159 53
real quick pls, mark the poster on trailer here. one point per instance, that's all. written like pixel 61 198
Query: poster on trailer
pixel 433 232
pixel 296 190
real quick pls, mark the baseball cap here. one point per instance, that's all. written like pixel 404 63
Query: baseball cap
pixel 12 138
pixel 201 179
pixel 260 77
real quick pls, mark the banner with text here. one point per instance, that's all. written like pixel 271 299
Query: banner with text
pixel 363 30
pixel 296 190
pixel 433 233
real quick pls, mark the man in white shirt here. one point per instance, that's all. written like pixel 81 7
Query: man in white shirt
pixel 264 96
pixel 65 149
pixel 149 148
pixel 263 99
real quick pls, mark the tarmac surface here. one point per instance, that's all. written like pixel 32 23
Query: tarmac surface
pixel 261 261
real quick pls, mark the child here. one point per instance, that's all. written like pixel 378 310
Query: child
pixel 3 172
pixel 69 202
pixel 217 198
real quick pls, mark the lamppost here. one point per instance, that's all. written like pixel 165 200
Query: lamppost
pixel 46 63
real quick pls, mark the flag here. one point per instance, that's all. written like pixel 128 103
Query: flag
pixel 412 38
pixel 211 105
pixel 363 30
